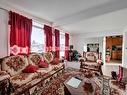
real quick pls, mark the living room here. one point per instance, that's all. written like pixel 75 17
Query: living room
pixel 54 26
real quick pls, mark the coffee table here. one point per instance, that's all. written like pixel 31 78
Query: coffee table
pixel 69 90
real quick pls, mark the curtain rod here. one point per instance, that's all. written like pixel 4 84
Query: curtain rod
pixel 4 9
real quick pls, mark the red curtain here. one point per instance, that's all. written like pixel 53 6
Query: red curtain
pixel 20 33
pixel 57 43
pixel 66 45
pixel 48 34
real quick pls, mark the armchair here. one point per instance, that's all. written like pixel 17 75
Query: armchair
pixel 91 61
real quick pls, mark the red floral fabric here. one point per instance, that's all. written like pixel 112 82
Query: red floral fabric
pixel 36 59
pixel 16 63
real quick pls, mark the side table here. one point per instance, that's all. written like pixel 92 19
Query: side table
pixel 4 83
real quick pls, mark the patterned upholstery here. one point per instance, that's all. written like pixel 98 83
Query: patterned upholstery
pixel 45 70
pixel 92 61
pixel 91 56
pixel 21 81
pixel 22 78
pixel 14 64
pixel 48 57
pixel 35 58
pixel 4 75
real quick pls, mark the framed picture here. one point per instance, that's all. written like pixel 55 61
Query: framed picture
pixel 93 47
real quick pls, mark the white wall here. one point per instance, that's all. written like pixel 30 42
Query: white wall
pixel 79 43
pixel 82 39
pixel 3 33
pixel 94 40
pixel 70 40
pixel 118 31
pixel 124 61
pixel 79 40
pixel 107 69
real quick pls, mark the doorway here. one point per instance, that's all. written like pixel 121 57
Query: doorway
pixel 114 49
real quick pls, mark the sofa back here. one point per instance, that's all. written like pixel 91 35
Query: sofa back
pixel 14 64
pixel 92 56
pixel 48 57
pixel 34 58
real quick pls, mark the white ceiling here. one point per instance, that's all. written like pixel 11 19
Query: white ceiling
pixel 76 16
pixel 106 22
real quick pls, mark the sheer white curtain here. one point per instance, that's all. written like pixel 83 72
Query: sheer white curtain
pixel 62 44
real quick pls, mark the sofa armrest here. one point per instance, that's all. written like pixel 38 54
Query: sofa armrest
pixel 4 75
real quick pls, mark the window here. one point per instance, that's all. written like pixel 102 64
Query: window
pixel 62 44
pixel 85 48
pixel 37 38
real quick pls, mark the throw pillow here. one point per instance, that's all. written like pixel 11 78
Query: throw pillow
pixel 30 69
pixel 55 61
pixel 43 64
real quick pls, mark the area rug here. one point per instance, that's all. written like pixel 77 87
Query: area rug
pixel 57 86
pixel 89 76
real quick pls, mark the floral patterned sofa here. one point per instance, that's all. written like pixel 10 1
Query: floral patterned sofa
pixel 22 80
pixel 91 61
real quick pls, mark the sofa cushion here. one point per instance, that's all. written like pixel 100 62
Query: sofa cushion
pixel 48 57
pixel 30 69
pixel 45 70
pixel 34 58
pixel 14 64
pixel 43 64
pixel 22 78
pixel 57 66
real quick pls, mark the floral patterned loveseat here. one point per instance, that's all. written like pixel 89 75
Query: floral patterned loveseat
pixel 29 83
pixel 91 61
